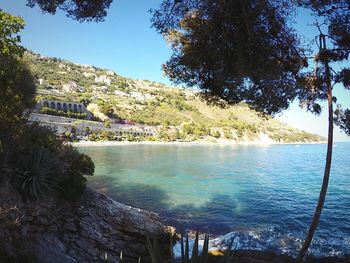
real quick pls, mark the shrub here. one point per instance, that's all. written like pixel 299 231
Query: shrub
pixel 69 114
pixel 36 173
pixel 216 134
pixel 75 166
pixel 45 162
pixel 107 136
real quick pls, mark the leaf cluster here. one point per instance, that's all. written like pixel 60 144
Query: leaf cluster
pixel 237 50
pixel 44 164
pixel 92 10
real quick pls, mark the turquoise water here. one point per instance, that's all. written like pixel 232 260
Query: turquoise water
pixel 264 196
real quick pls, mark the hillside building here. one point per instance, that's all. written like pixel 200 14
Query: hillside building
pixel 65 106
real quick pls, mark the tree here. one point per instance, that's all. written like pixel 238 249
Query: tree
pixel 336 16
pixel 92 10
pixel 244 50
pixel 220 45
pixel 17 85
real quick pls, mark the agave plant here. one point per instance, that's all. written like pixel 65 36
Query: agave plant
pixel 196 257
pixel 154 251
pixel 36 173
pixel 153 248
pixel 229 252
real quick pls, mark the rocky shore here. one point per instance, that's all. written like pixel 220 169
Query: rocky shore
pixel 93 229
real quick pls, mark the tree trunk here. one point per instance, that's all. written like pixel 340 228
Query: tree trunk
pixel 322 197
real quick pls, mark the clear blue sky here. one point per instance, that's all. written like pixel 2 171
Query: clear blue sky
pixel 127 44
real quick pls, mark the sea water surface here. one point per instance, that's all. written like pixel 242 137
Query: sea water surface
pixel 264 196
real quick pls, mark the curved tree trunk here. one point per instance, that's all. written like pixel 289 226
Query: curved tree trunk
pixel 322 197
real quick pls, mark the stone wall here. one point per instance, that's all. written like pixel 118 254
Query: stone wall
pixel 63 124
pixel 89 230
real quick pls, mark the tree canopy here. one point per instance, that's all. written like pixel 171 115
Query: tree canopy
pixel 17 85
pixel 81 10
pixel 248 50
pixel 237 50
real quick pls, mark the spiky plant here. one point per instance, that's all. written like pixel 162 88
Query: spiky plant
pixel 229 252
pixel 153 248
pixel 154 251
pixel 36 173
pixel 196 257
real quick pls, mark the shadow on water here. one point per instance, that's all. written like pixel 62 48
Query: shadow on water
pixel 219 215
pixel 265 195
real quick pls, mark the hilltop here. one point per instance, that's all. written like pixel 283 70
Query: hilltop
pixel 177 114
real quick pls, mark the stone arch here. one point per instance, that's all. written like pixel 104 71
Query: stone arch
pixel 52 105
pixel 59 106
pixel 75 108
pixel 80 108
pixel 65 107
pixel 70 108
pixel 46 103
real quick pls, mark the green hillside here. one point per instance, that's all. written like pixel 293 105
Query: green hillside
pixel 180 114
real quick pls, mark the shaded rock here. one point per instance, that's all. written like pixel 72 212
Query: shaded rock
pixel 89 230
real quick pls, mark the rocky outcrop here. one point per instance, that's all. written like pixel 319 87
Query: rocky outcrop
pixel 93 229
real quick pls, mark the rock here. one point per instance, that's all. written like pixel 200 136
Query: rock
pixel 85 231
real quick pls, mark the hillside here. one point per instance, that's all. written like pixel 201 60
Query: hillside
pixel 179 114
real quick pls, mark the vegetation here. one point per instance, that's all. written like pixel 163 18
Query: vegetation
pixel 69 114
pixel 181 115
pixel 36 161
pixel 36 173
pixel 16 81
pixel 45 164
pixel 82 11
pixel 196 257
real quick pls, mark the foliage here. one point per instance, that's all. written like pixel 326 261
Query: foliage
pixel 217 46
pixel 93 10
pixel 17 86
pixel 36 173
pixel 76 166
pixel 45 163
pixel 335 16
pixel 342 119
pixel 10 26
pixel 69 114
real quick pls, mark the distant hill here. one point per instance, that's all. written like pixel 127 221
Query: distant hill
pixel 179 114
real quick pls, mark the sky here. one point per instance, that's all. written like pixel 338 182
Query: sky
pixel 126 44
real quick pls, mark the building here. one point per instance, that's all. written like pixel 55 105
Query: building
pixel 65 106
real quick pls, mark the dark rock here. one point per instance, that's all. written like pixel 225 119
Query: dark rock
pixel 93 228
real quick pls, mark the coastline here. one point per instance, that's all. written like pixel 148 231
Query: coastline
pixel 219 143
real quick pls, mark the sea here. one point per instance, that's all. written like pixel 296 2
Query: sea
pixel 262 196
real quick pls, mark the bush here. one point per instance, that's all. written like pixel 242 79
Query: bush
pixel 216 134
pixel 69 114
pixel 76 165
pixel 44 163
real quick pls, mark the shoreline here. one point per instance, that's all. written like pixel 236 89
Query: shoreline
pixel 220 143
